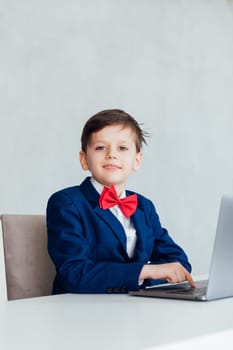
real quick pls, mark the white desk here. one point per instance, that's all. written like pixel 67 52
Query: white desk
pixel 107 322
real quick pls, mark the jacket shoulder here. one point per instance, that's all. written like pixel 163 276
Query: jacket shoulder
pixel 65 193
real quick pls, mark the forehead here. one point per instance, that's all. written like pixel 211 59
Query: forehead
pixel 116 132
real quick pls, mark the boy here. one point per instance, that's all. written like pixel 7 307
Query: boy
pixel 102 238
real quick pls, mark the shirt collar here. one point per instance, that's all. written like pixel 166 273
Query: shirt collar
pixel 99 187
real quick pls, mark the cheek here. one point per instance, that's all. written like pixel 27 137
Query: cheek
pixel 92 163
pixel 129 165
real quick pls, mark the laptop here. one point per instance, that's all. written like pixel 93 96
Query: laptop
pixel 220 282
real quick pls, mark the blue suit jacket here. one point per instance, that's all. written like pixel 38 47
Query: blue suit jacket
pixel 88 244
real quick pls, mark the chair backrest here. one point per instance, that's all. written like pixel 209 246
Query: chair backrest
pixel 29 271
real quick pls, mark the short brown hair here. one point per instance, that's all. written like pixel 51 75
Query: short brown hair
pixel 110 117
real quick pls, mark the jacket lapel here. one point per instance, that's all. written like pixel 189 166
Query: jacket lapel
pixel 106 215
pixel 138 219
pixel 113 223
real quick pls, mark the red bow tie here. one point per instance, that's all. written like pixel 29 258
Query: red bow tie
pixel 109 198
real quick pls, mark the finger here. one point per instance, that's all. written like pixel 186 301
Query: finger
pixel 190 280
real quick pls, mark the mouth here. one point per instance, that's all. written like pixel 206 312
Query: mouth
pixel 111 167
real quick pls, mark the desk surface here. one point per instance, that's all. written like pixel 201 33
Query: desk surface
pixel 107 322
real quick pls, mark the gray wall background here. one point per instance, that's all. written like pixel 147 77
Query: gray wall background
pixel 169 63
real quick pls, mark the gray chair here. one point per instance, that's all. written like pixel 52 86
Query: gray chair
pixel 29 271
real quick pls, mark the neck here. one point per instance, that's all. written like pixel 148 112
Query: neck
pixel 119 188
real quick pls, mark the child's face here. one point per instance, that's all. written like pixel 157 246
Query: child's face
pixel 111 156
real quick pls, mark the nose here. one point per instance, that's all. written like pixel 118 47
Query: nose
pixel 110 154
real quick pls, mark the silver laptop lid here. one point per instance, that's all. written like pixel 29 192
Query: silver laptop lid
pixel 221 267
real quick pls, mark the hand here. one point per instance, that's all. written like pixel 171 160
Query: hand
pixel 172 272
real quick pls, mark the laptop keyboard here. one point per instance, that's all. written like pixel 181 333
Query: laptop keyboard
pixel 200 289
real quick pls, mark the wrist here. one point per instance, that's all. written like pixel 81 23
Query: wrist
pixel 146 272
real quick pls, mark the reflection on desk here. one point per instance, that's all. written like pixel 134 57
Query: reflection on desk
pixel 107 322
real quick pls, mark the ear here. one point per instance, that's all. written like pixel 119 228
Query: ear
pixel 83 160
pixel 138 161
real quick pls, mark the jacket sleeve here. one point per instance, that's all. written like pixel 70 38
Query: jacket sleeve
pixel 71 253
pixel 165 249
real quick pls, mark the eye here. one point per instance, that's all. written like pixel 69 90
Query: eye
pixel 100 148
pixel 123 148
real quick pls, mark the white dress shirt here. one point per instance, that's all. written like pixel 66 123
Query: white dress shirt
pixel 130 232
